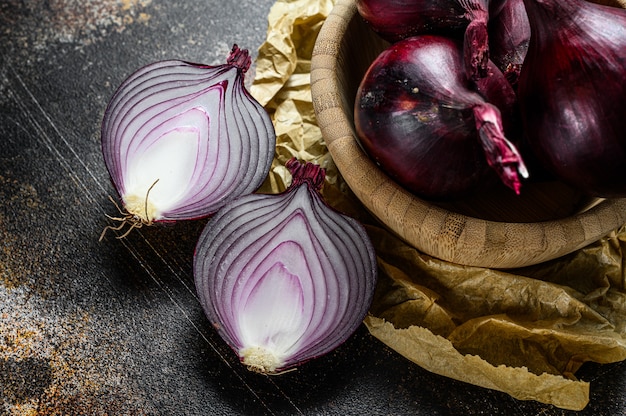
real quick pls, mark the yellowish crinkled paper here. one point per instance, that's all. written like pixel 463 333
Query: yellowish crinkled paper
pixel 438 355
pixel 524 332
pixel 282 85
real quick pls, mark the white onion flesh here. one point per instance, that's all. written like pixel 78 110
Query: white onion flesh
pixel 284 278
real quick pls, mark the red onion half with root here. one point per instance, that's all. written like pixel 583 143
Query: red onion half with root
pixel 427 127
pixel 284 278
pixel 180 140
pixel 572 93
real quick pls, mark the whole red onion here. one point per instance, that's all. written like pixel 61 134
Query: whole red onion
pixel 427 126
pixel 395 20
pixel 572 93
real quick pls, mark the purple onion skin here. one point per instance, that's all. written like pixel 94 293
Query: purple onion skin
pixel 414 116
pixel 509 35
pixel 572 93
pixel 395 20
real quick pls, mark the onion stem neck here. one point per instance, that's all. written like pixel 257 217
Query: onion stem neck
pixel 476 47
pixel 239 58
pixel 501 154
pixel 307 172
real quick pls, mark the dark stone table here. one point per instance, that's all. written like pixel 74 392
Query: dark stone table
pixel 114 327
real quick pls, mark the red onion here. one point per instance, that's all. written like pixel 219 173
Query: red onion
pixel 284 278
pixel 572 93
pixel 419 118
pixel 509 34
pixel 181 139
pixel 395 20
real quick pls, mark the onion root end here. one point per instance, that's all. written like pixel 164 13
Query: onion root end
pixel 259 360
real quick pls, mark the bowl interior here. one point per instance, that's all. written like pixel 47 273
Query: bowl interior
pixel 540 200
pixel 494 228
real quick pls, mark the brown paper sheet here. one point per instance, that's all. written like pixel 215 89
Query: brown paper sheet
pixel 282 85
pixel 524 332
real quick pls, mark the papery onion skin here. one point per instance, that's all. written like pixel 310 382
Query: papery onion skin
pixel 572 93
pixel 284 278
pixel 181 139
pixel 424 123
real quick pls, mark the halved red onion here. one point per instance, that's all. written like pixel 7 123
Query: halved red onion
pixel 182 139
pixel 284 278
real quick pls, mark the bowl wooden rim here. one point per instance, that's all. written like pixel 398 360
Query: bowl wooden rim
pixel 439 233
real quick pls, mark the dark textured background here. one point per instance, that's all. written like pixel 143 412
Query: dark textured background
pixel 114 327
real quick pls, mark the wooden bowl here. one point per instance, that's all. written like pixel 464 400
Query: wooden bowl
pixel 496 229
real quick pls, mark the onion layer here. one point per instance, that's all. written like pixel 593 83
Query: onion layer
pixel 284 278
pixel 181 139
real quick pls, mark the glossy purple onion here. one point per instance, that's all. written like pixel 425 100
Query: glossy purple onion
pixel 395 20
pixel 284 278
pixel 509 35
pixel 428 127
pixel 181 139
pixel 572 93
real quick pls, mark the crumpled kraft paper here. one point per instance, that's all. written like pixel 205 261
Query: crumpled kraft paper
pixel 524 332
pixel 282 85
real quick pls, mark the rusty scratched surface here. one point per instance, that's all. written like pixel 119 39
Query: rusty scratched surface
pixel 114 327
